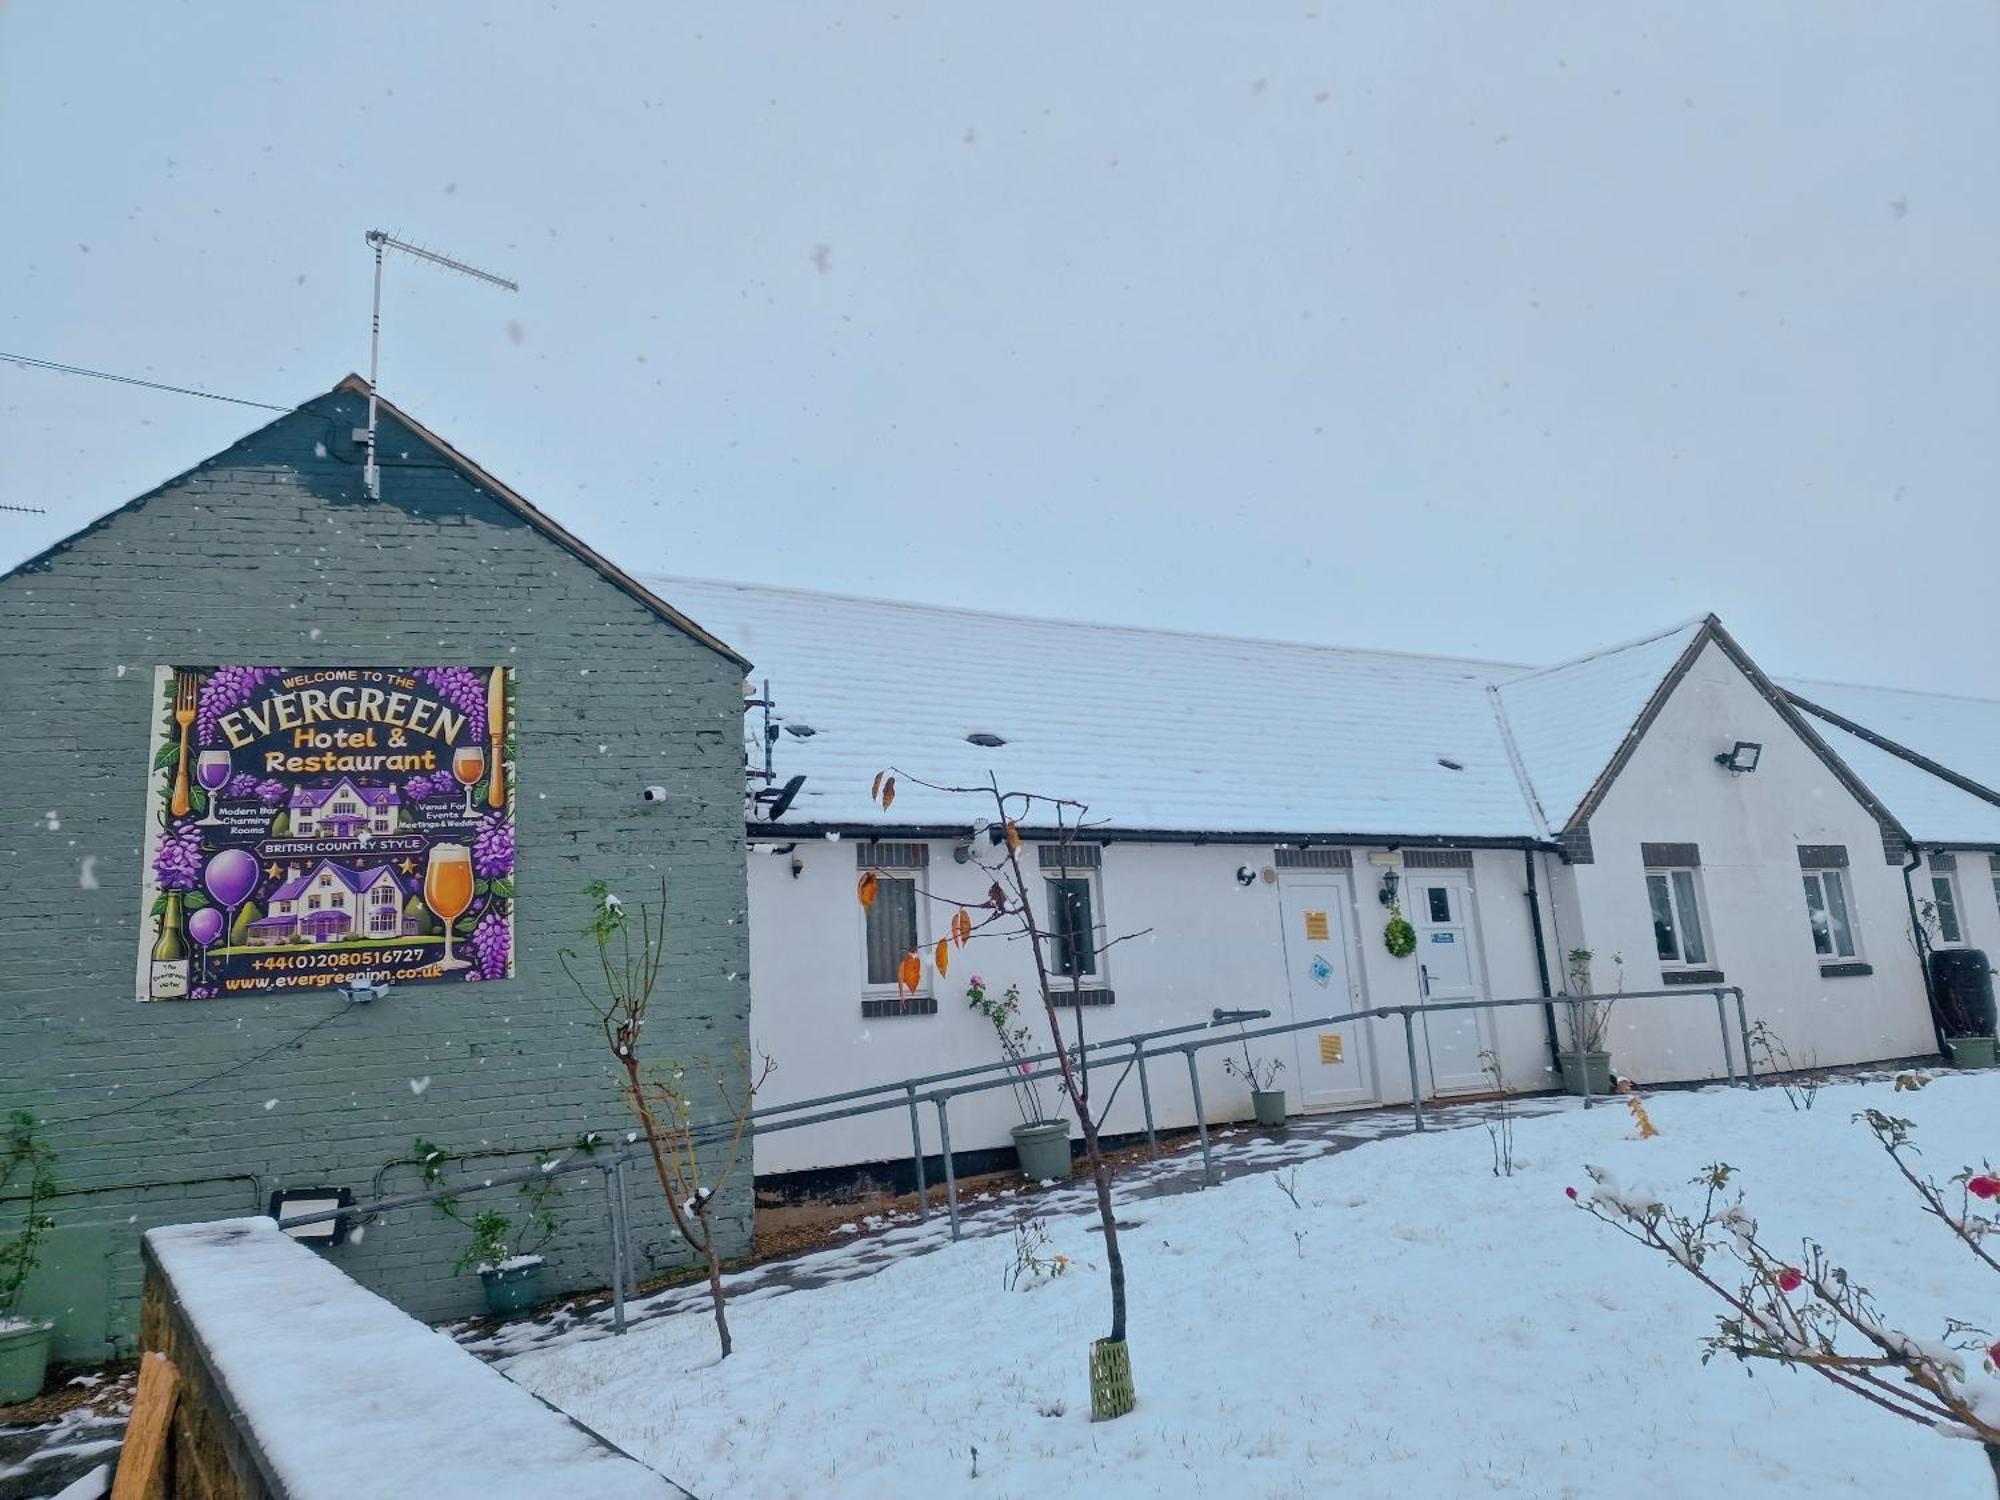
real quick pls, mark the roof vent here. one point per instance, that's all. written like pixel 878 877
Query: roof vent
pixel 985 741
pixel 800 731
pixel 1449 764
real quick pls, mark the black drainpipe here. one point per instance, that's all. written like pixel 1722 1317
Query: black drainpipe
pixel 1918 941
pixel 1542 959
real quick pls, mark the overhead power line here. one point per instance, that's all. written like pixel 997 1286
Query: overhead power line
pixel 152 385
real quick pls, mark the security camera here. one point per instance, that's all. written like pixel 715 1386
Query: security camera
pixel 362 991
pixel 655 794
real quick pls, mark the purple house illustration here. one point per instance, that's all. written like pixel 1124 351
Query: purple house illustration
pixel 344 810
pixel 330 903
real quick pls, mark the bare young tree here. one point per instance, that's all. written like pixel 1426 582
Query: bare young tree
pixel 1008 910
pixel 1809 1313
pixel 660 1095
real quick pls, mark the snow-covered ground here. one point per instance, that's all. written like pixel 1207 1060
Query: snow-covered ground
pixel 1416 1327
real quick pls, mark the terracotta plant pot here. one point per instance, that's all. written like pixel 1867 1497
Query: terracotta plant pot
pixel 24 1361
pixel 1043 1149
pixel 1599 1065
pixel 1269 1105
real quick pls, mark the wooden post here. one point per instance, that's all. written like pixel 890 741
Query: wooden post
pixel 142 1462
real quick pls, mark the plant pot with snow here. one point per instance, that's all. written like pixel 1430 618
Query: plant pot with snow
pixel 1594 1065
pixel 1269 1107
pixel 1970 1051
pixel 513 1287
pixel 1267 1101
pixel 1043 1149
pixel 24 1358
pixel 27 1175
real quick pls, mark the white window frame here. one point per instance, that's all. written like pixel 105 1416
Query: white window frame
pixel 1832 889
pixel 1676 895
pixel 1099 978
pixel 1951 894
pixel 920 926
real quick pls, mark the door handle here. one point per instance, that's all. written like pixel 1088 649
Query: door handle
pixel 1424 980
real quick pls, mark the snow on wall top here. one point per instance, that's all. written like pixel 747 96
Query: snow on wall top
pixel 1569 720
pixel 313 1360
pixel 1156 730
pixel 1931 808
pixel 1961 733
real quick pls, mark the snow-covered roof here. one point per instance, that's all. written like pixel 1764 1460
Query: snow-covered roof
pixel 1165 731
pixel 1931 808
pixel 1960 733
pixel 1568 721
pixel 1156 730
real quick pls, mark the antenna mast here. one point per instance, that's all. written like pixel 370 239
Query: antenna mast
pixel 371 473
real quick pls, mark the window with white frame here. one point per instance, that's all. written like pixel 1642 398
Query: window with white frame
pixel 893 923
pixel 1947 930
pixel 1075 918
pixel 1827 911
pixel 1679 934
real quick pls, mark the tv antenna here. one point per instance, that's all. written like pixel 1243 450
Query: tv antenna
pixel 371 473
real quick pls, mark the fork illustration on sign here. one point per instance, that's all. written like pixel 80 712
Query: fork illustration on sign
pixel 184 707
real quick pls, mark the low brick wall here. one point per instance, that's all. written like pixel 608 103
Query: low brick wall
pixel 296 1383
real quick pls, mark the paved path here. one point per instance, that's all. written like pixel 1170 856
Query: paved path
pixel 882 1240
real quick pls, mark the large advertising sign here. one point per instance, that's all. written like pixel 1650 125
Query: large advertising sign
pixel 312 826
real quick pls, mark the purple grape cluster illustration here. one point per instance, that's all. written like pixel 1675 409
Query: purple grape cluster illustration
pixel 226 688
pixel 493 848
pixel 271 793
pixel 177 862
pixel 465 690
pixel 491 944
pixel 242 784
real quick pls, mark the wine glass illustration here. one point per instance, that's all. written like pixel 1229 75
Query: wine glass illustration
pixel 468 764
pixel 230 877
pixel 448 891
pixel 205 926
pixel 212 770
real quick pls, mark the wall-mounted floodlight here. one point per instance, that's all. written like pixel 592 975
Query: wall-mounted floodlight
pixel 296 1202
pixel 1390 880
pixel 1742 757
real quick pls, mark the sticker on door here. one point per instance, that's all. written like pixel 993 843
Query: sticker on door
pixel 1317 928
pixel 1321 970
pixel 1444 937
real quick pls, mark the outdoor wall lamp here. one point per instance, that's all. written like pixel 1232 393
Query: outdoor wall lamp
pixel 1390 880
pixel 1245 875
pixel 1743 756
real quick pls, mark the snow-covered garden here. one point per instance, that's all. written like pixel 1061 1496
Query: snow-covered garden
pixel 1413 1325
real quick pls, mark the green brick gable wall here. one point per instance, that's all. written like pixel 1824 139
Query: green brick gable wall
pixel 270 553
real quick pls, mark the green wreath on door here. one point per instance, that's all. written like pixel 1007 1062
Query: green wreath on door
pixel 1398 936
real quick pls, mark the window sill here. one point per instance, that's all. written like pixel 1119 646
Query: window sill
pixel 1691 976
pixel 1845 969
pixel 882 1006
pixel 1084 996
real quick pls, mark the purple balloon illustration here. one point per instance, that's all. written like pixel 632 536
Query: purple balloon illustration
pixel 231 877
pixel 205 926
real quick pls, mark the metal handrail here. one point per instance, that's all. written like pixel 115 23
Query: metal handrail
pixel 908 1093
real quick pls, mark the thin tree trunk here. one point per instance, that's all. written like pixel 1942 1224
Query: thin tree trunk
pixel 1114 1258
pixel 714 1279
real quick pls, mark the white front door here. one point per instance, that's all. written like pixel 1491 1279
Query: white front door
pixel 1440 908
pixel 1323 1066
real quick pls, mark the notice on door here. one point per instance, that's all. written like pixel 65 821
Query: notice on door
pixel 1331 1046
pixel 1321 970
pixel 1318 929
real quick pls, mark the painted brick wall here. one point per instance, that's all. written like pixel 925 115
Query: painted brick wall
pixel 269 552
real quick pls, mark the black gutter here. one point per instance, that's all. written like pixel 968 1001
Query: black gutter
pixel 1921 943
pixel 1542 960
pixel 765 833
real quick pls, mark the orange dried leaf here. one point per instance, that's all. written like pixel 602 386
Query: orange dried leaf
pixel 875 788
pixel 942 957
pixel 1013 837
pixel 865 888
pixel 911 974
pixel 961 927
pixel 888 793
pixel 995 897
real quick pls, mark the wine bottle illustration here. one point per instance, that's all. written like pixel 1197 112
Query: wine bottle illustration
pixel 169 979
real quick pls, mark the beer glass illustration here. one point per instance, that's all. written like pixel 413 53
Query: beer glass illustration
pixel 448 891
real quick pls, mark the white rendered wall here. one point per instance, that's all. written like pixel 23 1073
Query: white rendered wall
pixel 1212 942
pixel 1749 828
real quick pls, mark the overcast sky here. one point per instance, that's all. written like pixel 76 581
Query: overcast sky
pixel 1493 329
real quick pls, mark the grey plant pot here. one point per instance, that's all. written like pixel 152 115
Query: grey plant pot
pixel 24 1361
pixel 1269 1105
pixel 1598 1065
pixel 512 1292
pixel 1970 1051
pixel 1043 1149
